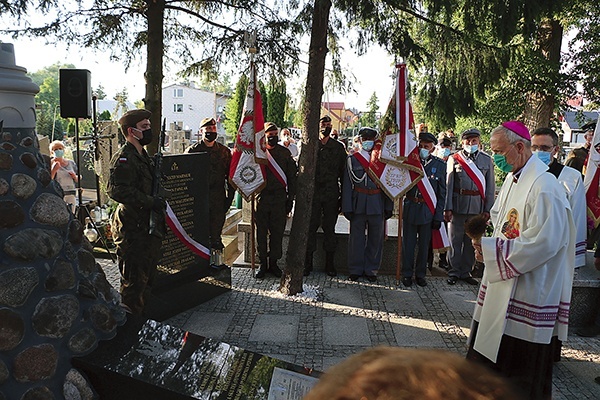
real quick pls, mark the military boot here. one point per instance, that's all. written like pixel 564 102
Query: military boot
pixel 329 268
pixel 262 272
pixel 308 264
pixel 273 268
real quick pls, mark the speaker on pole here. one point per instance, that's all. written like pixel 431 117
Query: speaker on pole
pixel 75 93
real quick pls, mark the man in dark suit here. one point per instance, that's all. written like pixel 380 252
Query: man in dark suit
pixel 417 219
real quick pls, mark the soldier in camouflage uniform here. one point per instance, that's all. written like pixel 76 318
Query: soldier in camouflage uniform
pixel 331 162
pixel 274 203
pixel 130 184
pixel 218 201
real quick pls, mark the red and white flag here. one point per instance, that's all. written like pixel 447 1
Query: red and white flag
pixel 249 156
pixel 591 182
pixel 395 163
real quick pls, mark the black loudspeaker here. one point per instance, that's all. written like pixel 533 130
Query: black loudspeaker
pixel 75 93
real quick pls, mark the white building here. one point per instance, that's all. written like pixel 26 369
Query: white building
pixel 186 106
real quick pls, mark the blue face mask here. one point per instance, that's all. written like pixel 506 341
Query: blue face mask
pixel 471 149
pixel 501 163
pixel 367 145
pixel 545 156
pixel 423 153
pixel 59 153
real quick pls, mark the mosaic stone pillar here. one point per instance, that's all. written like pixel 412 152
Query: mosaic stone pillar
pixel 55 301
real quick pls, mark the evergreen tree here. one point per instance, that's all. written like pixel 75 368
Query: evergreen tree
pixel 276 102
pixel 234 107
pixel 370 117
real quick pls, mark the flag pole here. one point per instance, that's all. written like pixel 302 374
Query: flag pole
pixel 252 233
pixel 399 259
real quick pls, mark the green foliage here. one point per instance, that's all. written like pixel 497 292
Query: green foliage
pixel 235 106
pixel 104 116
pixel 276 102
pixel 49 121
pixel 370 117
pixel 100 93
pixel 264 96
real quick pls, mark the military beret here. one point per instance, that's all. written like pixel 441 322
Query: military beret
pixel 326 118
pixel 427 137
pixel 270 126
pixel 207 122
pixel 132 117
pixel 470 133
pixel 367 133
pixel 590 126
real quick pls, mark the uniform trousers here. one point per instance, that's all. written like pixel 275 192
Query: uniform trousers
pixel 216 218
pixel 415 236
pixel 325 214
pixel 270 225
pixel 365 249
pixel 462 255
pixel 138 255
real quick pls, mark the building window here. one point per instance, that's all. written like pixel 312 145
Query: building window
pixel 178 108
pixel 177 93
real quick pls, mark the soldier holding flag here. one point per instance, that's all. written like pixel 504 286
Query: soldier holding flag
pixel 274 203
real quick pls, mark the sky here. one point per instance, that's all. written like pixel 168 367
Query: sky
pixel 372 71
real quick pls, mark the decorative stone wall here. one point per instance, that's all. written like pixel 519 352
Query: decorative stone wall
pixel 55 301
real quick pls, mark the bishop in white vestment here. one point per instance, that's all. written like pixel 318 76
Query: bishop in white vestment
pixel 525 291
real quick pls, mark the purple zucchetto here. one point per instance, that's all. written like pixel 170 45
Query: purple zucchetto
pixel 519 128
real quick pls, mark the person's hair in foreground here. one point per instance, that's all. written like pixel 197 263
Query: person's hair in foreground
pixel 389 373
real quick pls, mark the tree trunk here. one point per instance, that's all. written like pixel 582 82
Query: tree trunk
pixel 154 67
pixel 291 280
pixel 539 106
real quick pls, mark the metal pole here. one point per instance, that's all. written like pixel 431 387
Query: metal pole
pixel 399 259
pixel 79 189
pixel 252 244
pixel 95 141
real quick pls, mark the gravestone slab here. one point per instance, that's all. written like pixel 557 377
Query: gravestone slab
pixel 185 279
pixel 150 360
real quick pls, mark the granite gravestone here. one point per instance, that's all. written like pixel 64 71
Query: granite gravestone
pixel 185 279
pixel 150 360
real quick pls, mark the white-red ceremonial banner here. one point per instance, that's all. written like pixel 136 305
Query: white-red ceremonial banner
pixel 246 172
pixel 440 241
pixel 474 173
pixel 395 164
pixel 277 171
pixel 591 182
pixel 182 235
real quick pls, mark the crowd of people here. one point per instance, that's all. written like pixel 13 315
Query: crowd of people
pixel 524 294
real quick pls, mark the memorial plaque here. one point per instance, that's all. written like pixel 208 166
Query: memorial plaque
pixel 186 177
pixel 185 279
pixel 150 360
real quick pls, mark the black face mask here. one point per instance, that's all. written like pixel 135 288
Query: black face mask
pixel 210 136
pixel 146 136
pixel 326 131
pixel 272 140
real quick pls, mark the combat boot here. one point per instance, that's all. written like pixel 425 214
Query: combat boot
pixel 329 268
pixel 273 268
pixel 308 264
pixel 262 272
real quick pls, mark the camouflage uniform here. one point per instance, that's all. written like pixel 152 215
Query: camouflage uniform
pixel 331 161
pixel 218 179
pixel 273 204
pixel 130 184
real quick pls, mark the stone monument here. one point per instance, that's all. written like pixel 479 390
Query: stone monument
pixel 55 301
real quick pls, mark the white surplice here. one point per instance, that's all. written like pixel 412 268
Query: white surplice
pixel 571 180
pixel 525 291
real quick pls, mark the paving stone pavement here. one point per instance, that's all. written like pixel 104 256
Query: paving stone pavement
pixel 348 317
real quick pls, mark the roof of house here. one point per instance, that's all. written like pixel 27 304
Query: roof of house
pixel 576 119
